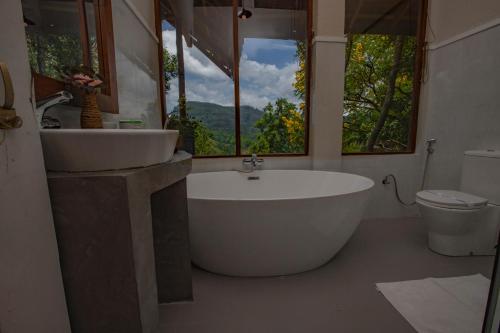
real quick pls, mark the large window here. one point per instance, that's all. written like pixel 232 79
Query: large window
pixel 236 75
pixel 383 71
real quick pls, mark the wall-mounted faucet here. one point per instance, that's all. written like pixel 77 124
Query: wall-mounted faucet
pixel 45 104
pixel 253 162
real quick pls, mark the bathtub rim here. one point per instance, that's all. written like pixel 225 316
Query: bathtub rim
pixel 370 186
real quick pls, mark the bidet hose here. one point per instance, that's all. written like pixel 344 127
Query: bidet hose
pixel 386 181
pixel 424 174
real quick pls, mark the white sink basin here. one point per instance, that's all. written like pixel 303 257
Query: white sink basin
pixel 79 150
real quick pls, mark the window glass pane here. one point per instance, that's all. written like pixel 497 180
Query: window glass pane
pixel 170 66
pixel 53 35
pixel 198 42
pixel 137 74
pixel 380 73
pixel 272 66
pixel 92 32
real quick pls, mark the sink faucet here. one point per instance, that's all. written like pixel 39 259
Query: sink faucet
pixel 45 104
pixel 253 162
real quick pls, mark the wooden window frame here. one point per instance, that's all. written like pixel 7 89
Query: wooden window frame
pixel 417 83
pixel 307 116
pixel 159 34
pixel 106 50
pixel 108 98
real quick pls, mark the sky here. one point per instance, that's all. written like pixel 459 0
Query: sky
pixel 267 72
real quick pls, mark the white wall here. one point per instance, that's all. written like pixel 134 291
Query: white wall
pixel 226 164
pixel 449 18
pixel 406 168
pixel 462 105
pixel 31 291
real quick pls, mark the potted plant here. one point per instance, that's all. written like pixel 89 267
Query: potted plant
pixel 186 127
pixel 88 83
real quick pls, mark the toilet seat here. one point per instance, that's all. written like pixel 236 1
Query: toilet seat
pixel 451 199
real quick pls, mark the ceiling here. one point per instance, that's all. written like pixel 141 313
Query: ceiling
pixel 57 16
pixel 382 16
pixel 269 4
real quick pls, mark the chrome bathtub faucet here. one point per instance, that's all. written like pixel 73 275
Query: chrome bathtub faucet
pixel 253 162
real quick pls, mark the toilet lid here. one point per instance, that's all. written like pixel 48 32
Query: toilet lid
pixel 452 199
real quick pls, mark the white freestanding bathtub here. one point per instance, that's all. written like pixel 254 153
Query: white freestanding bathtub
pixel 284 222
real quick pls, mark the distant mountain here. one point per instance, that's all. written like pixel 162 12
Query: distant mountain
pixel 220 118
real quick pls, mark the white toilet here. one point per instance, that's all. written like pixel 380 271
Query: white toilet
pixel 466 222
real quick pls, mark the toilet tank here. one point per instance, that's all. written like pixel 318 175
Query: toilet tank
pixel 481 174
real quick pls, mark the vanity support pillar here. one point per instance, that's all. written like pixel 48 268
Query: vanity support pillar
pixel 104 226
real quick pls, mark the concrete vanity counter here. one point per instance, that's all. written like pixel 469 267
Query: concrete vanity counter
pixel 123 243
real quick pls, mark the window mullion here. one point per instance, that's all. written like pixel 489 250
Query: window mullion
pixel 236 79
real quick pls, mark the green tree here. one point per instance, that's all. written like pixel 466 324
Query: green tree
pixel 204 143
pixel 300 75
pixel 191 128
pixel 48 53
pixel 378 92
pixel 169 68
pixel 280 130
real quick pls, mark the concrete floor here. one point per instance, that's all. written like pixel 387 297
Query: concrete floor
pixel 338 297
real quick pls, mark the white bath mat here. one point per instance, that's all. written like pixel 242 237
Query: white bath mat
pixel 454 305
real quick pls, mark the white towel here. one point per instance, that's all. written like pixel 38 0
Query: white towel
pixel 445 305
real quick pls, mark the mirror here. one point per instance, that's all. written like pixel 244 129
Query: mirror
pixel 68 33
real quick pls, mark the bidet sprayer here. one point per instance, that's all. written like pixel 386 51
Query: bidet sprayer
pixel 387 179
pixel 430 143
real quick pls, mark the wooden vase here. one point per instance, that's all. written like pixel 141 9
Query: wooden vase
pixel 91 115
